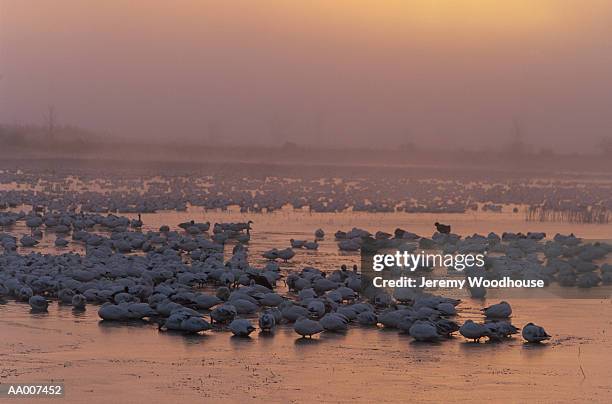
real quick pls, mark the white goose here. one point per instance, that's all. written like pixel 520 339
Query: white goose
pixel 307 328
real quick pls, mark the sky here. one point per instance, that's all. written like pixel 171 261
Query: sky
pixel 442 73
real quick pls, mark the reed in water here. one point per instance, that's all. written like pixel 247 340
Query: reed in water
pixel 577 214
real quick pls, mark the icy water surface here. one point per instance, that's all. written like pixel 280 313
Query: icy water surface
pixel 136 363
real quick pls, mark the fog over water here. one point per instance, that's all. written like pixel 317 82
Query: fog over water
pixel 322 72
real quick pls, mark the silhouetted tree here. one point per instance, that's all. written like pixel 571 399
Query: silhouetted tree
pixel 605 145
pixel 51 122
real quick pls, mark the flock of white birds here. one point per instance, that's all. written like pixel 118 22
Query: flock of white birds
pixel 181 281
pixel 184 279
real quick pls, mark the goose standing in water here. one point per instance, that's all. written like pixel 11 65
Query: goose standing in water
pixel 195 324
pixel 206 301
pixel 307 328
pixel 186 225
pixel 446 327
pixel 61 242
pixel 473 331
pixel 79 302
pixel 223 314
pixel 424 331
pixel 24 294
pixel 311 245
pixel 477 292
pixel 500 330
pixel 136 223
pixel 534 333
pixel 293 312
pixel 319 234
pixel 270 254
pixel 286 254
pixel 34 222
pixel 241 327
pixel 442 228
pixel 271 299
pixel 367 317
pixel 267 321
pixel 28 241
pixel 38 304
pixel 248 227
pixel 113 312
pixel 297 243
pixel 334 322
pixel 243 238
pixel 499 310
pixel 316 308
pixel 203 226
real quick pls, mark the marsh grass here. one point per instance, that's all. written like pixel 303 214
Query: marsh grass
pixel 580 214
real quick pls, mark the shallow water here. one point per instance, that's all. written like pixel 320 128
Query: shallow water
pixel 136 363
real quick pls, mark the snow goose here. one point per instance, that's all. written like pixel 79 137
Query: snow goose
pixel 306 327
pixel 424 331
pixel 267 321
pixel 473 331
pixel 38 303
pixel 534 333
pixel 499 310
pixel 241 327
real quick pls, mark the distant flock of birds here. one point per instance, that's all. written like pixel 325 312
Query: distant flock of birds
pixel 249 188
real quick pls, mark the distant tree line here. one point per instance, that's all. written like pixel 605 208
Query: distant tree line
pixel 17 136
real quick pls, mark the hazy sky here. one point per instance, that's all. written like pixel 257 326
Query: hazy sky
pixel 352 72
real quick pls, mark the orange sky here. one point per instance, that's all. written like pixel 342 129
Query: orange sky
pixel 453 71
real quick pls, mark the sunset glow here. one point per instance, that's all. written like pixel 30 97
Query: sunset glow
pixel 466 16
pixel 358 67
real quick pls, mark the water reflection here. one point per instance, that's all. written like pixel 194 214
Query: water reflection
pixel 333 336
pixel 39 313
pixel 119 326
pixel 535 347
pixel 304 342
pixel 469 347
pixel 193 339
pixel 266 336
pixel 79 312
pixel 240 342
pixel 424 344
